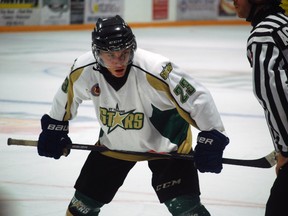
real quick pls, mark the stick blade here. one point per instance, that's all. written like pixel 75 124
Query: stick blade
pixel 265 162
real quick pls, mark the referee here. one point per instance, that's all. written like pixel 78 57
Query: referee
pixel 267 52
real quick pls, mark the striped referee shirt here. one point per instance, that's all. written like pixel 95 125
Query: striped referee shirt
pixel 267 52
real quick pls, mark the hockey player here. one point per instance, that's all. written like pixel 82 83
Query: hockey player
pixel 143 102
pixel 267 51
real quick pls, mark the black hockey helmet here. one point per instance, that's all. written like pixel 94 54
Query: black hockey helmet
pixel 112 34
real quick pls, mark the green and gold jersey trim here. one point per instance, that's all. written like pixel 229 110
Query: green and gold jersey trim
pixel 70 92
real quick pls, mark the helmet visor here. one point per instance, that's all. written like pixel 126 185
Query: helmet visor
pixel 115 59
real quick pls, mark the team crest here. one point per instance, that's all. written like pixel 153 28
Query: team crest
pixel 95 90
pixel 114 118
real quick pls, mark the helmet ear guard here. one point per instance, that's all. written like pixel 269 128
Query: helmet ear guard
pixel 112 34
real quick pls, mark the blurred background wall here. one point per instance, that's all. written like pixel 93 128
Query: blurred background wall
pixel 75 12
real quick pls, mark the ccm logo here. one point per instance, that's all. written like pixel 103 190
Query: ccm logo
pixel 57 127
pixel 205 140
pixel 168 184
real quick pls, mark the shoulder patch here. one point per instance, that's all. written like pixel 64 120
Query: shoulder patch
pixel 95 90
pixel 166 71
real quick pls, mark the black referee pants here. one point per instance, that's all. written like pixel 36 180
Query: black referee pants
pixel 277 204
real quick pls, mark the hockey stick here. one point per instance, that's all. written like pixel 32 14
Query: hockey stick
pixel 264 162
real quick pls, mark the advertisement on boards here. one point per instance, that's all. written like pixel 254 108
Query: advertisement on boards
pixel 95 9
pixel 77 11
pixel 34 12
pixel 55 12
pixel 18 13
pixel 197 9
pixel 160 9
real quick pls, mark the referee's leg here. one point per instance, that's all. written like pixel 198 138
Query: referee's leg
pixel 278 199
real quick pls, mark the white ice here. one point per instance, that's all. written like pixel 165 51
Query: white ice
pixel 34 65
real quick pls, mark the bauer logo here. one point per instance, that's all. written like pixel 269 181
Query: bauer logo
pixel 95 90
pixel 58 127
pixel 205 140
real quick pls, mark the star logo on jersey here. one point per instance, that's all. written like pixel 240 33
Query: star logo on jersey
pixel 118 119
pixel 115 117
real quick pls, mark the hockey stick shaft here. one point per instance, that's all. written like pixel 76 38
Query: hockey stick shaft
pixel 265 162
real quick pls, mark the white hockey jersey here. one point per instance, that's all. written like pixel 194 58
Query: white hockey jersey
pixel 152 111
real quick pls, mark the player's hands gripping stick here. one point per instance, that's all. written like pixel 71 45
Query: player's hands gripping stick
pixel 209 151
pixel 54 138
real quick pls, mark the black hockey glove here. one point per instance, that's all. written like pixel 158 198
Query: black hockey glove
pixel 54 138
pixel 209 151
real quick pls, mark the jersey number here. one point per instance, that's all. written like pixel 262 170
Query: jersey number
pixel 184 89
